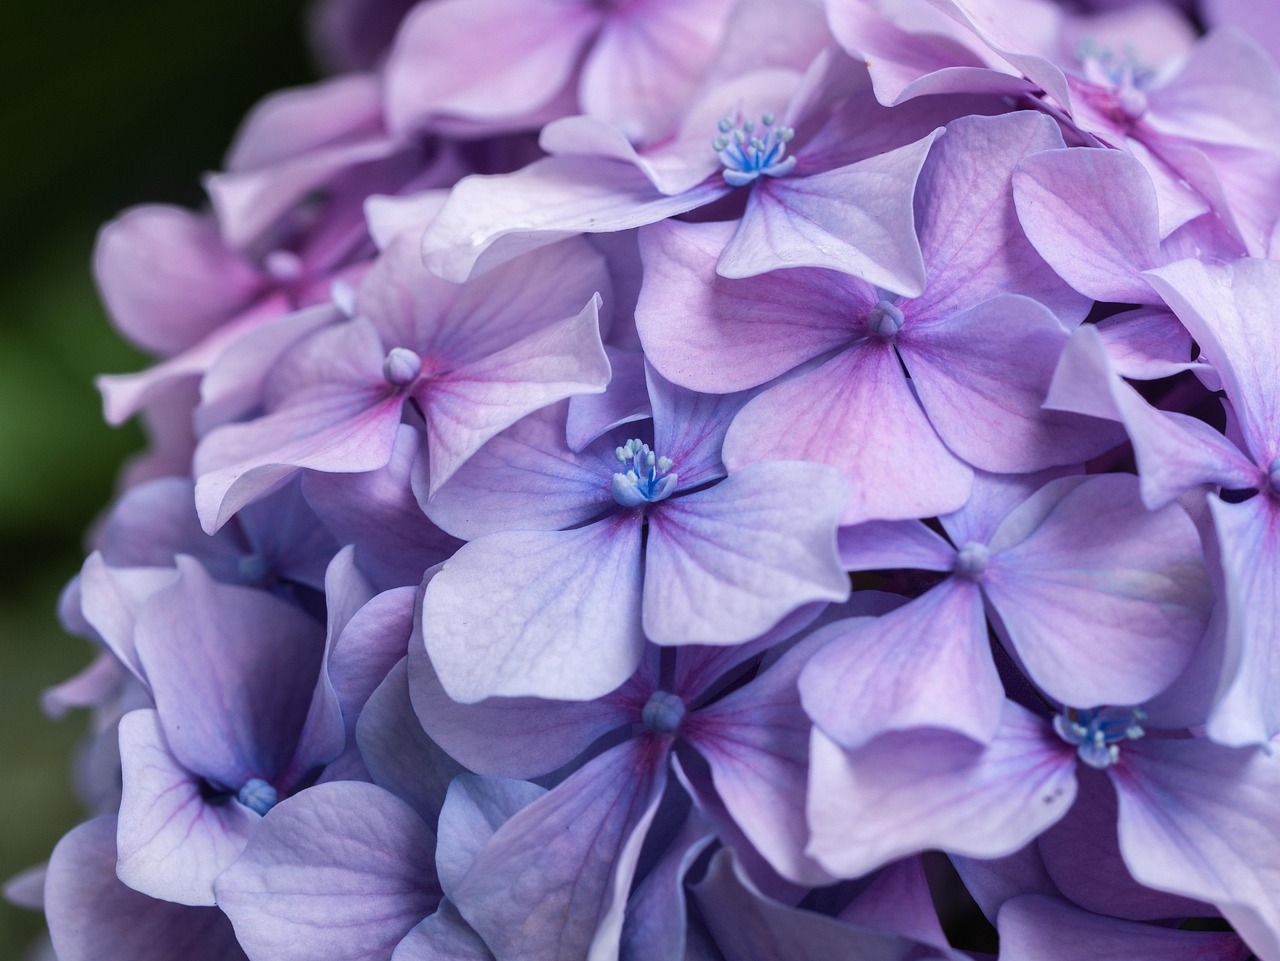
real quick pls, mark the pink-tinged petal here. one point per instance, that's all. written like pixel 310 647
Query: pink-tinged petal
pixel 92 687
pixel 1148 344
pixel 452 325
pixel 124 395
pixel 912 790
pixel 471 404
pixel 972 243
pixel 926 664
pixel 522 737
pixel 857 413
pixel 377 512
pixel 172 841
pixel 756 742
pixel 624 401
pixel 1247 711
pixel 341 872
pixel 111 600
pixel 530 50
pixel 1092 214
pixel 492 219
pixel 302 120
pixel 88 908
pixel 1081 853
pixel 880 545
pixel 444 935
pixel 1227 92
pixel 807 222
pixel 656 925
pixel 647 62
pixel 723 565
pixel 525 478
pixel 234 694
pixel 539 613
pixel 1200 820
pixel 167 279
pixel 749 926
pixel 473 810
pixel 1174 452
pixel 1227 309
pixel 689 427
pixel 236 380
pixel 1105 601
pixel 1040 928
pixel 552 882
pixel 706 332
pixel 1022 32
pixel 334 426
pixel 397 753
pixel 249 202
pixel 987 410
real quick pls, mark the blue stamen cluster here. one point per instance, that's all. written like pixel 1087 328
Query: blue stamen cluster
pixel 647 478
pixel 749 152
pixel 1098 732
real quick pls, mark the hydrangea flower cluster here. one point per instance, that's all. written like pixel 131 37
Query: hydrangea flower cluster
pixel 629 478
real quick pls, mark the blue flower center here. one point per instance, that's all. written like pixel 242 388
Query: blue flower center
pixel 645 478
pixel 1123 73
pixel 401 367
pixel 971 559
pixel 749 151
pixel 1098 732
pixel 1273 476
pixel 885 320
pixel 252 569
pixel 257 795
pixel 663 712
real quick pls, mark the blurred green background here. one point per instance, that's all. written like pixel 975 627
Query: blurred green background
pixel 107 105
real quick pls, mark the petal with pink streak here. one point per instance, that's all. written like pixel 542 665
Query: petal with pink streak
pixel 526 478
pixel 1092 214
pixel 724 564
pixel 167 279
pixel 489 220
pixel 340 872
pixel 1039 928
pixel 1200 820
pixel 538 613
pixel 553 881
pixel 1105 601
pixel 912 790
pixel 1247 711
pixel 857 413
pixel 987 409
pixel 452 325
pixel 530 50
pixel 341 418
pixel 807 222
pixel 88 907
pixel 926 664
pixel 473 403
pixel 173 842
pixel 706 332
